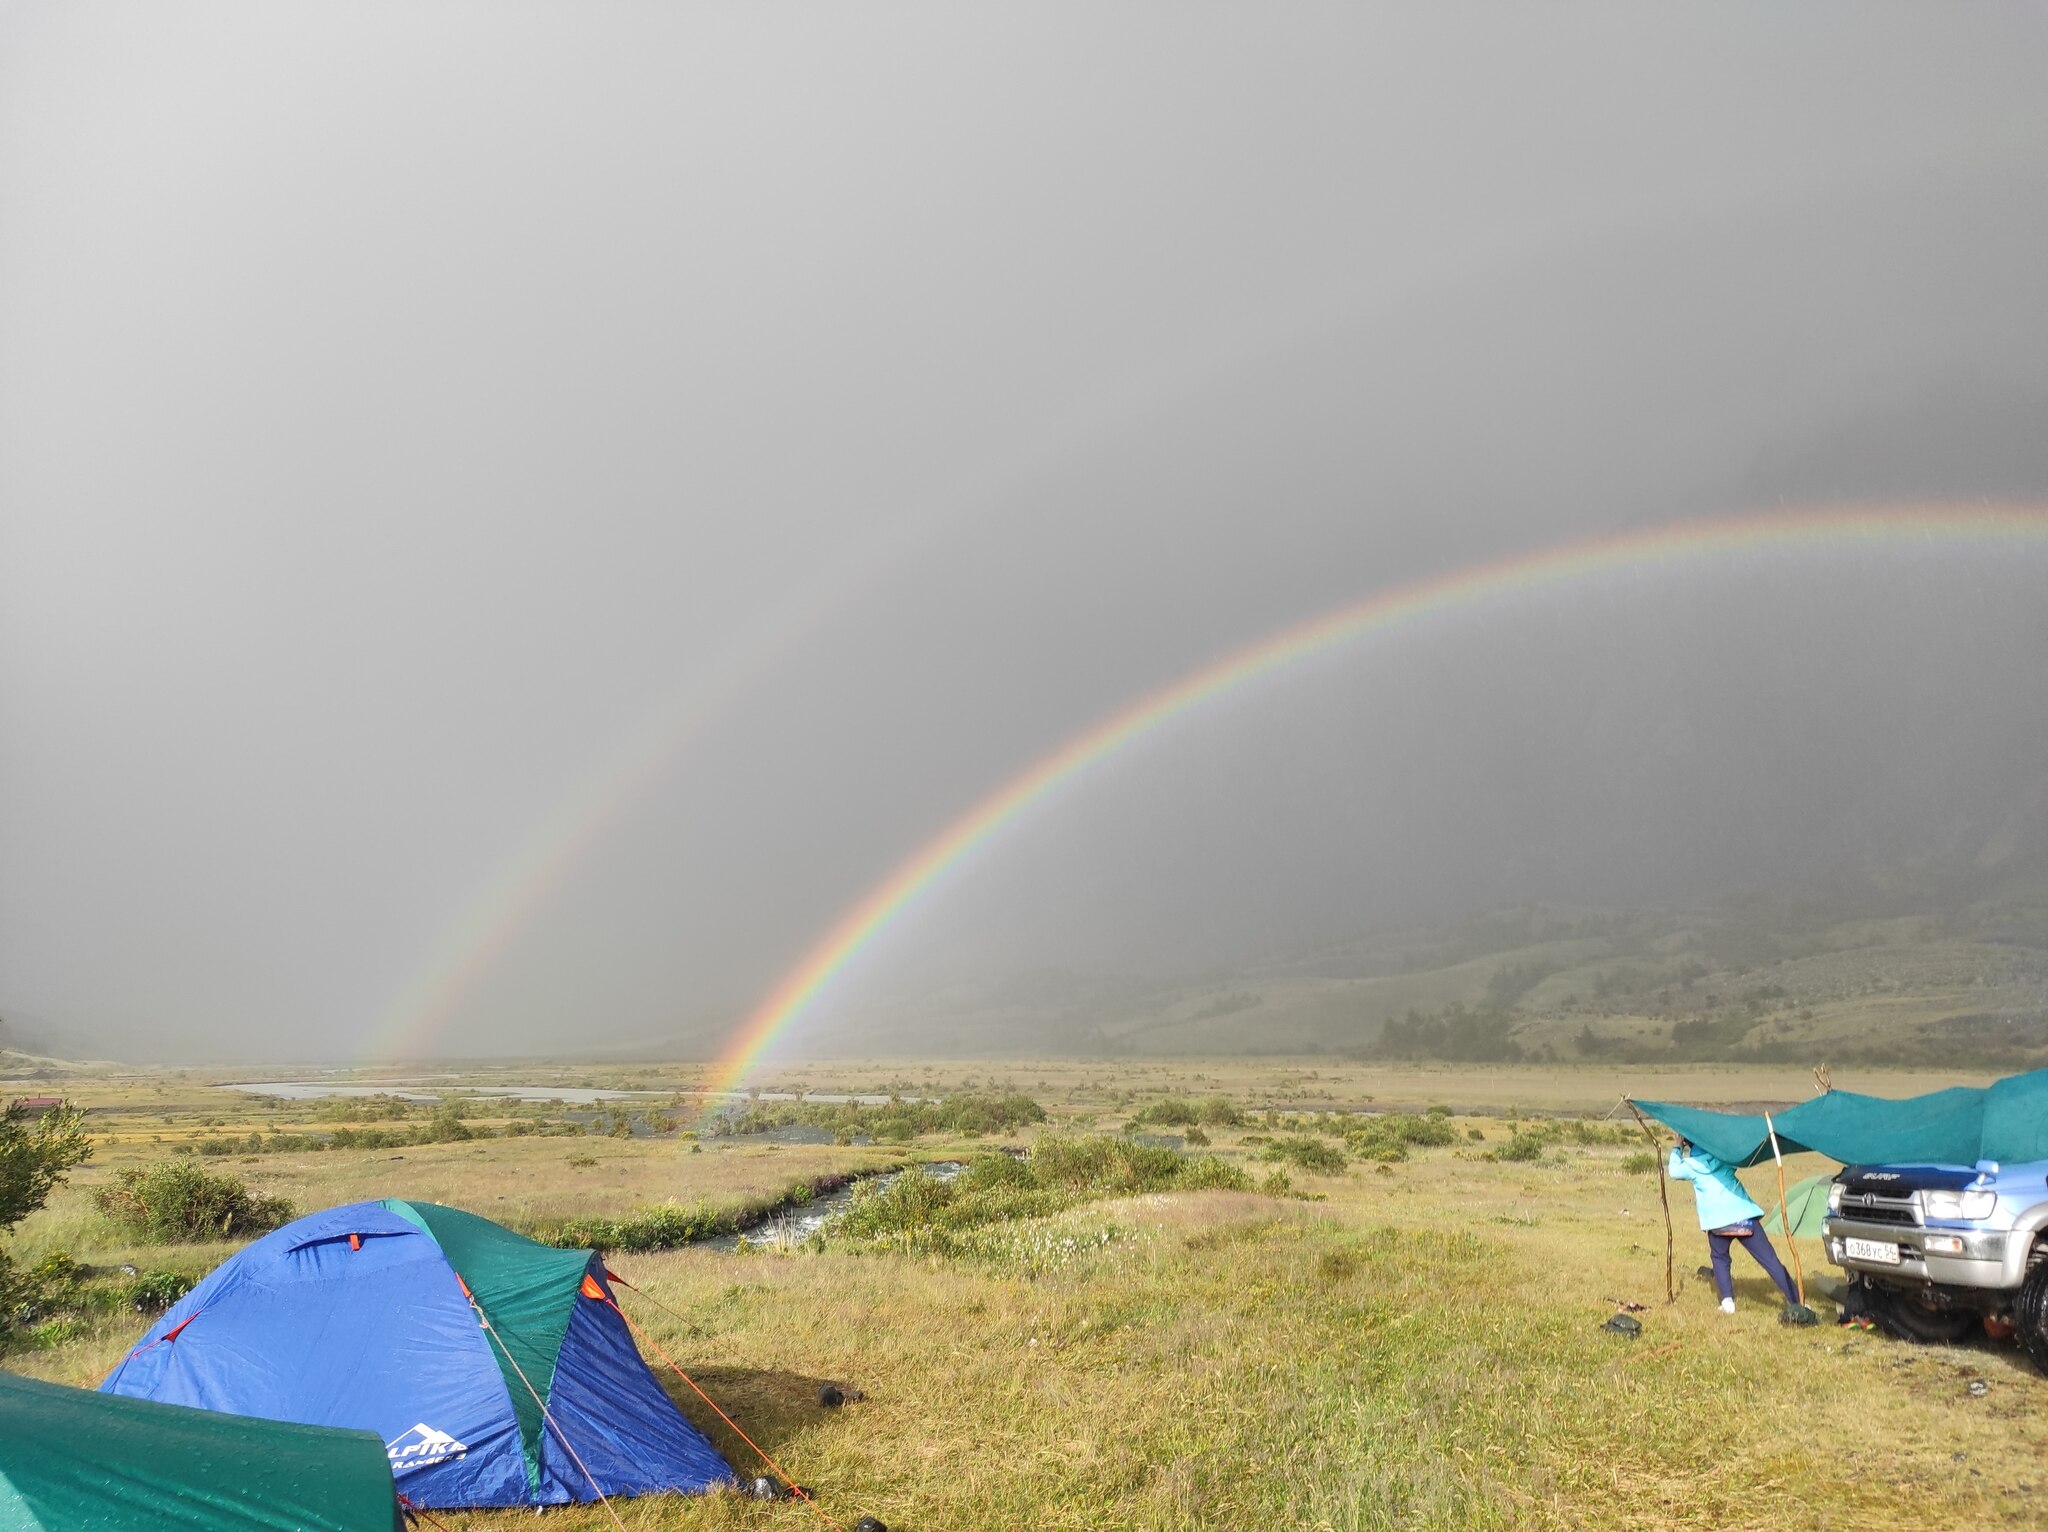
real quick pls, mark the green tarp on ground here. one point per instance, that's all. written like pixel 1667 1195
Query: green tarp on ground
pixel 89 1462
pixel 2006 1121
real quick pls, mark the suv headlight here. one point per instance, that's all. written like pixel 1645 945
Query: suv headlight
pixel 1968 1206
pixel 1834 1196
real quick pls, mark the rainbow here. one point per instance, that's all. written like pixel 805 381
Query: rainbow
pixel 1471 586
pixel 467 951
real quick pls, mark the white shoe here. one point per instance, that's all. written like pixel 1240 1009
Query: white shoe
pixel 1727 1305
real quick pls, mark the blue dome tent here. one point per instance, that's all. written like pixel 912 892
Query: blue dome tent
pixel 497 1371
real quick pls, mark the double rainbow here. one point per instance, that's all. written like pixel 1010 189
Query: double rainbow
pixel 1936 528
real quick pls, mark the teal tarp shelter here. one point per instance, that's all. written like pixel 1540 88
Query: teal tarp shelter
pixel 2006 1121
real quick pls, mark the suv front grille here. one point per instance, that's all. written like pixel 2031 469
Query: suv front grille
pixel 1869 1207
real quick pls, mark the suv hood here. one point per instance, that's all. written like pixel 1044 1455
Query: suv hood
pixel 1898 1180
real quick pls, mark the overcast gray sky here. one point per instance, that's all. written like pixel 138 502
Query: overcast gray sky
pixel 512 517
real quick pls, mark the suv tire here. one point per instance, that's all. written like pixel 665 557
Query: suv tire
pixel 1907 1317
pixel 2030 1314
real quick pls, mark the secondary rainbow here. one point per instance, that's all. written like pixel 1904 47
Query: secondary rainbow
pixel 1471 585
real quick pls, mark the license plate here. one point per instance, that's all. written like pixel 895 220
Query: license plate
pixel 1871 1250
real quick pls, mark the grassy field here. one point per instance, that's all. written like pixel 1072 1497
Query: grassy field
pixel 1413 1344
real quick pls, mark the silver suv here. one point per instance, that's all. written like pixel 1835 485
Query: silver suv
pixel 1932 1250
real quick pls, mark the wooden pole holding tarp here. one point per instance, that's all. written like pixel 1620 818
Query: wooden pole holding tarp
pixel 1785 1212
pixel 1663 1198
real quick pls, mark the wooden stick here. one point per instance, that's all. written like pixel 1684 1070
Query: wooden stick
pixel 1785 1212
pixel 1663 1197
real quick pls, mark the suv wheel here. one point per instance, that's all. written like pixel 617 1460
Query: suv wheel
pixel 1909 1318
pixel 2030 1314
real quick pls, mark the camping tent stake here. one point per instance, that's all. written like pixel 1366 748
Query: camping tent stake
pixel 1663 1198
pixel 1785 1212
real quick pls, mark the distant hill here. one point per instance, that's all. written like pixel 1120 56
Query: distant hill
pixel 1941 962
pixel 27 1056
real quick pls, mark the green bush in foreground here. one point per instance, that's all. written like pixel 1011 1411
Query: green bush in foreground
pixel 174 1201
pixel 34 1157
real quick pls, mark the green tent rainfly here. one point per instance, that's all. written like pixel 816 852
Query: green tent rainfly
pixel 1808 1203
pixel 2006 1121
pixel 71 1459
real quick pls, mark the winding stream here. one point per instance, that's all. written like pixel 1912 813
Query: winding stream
pixel 797 1222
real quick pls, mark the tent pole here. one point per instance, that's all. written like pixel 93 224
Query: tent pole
pixel 1785 1212
pixel 1663 1198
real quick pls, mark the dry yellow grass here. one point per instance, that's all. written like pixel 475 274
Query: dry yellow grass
pixel 1419 1349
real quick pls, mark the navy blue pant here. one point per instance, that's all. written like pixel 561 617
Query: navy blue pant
pixel 1759 1245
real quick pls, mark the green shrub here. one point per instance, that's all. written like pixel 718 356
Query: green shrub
pixel 56 1270
pixel 52 1333
pixel 1431 1130
pixel 155 1291
pixel 919 1210
pixel 360 1109
pixel 1373 1146
pixel 1639 1162
pixel 895 1121
pixel 446 1125
pixel 1310 1154
pixel 35 1155
pixel 1169 1113
pixel 992 1172
pixel 1107 1167
pixel 174 1200
pixel 49 1286
pixel 914 1200
pixel 1388 1136
pixel 1519 1149
pixel 1195 1138
pixel 655 1228
pixel 1174 1112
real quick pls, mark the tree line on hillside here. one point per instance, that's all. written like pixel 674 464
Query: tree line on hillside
pixel 1737 1034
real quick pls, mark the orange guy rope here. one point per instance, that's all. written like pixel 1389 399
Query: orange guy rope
pixel 681 1319
pixel 795 1488
pixel 414 1508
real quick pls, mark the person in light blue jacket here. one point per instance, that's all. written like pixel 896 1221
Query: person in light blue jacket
pixel 1727 1214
